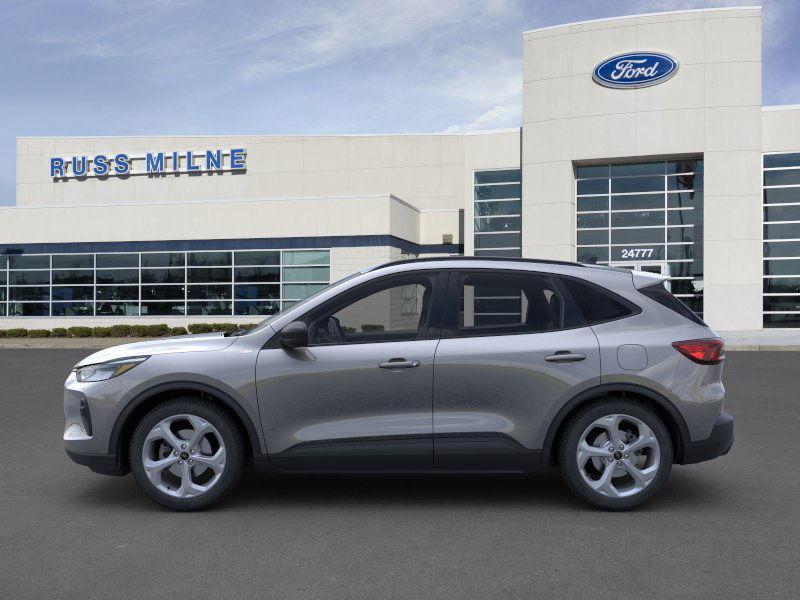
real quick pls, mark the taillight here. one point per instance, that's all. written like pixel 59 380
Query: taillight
pixel 703 352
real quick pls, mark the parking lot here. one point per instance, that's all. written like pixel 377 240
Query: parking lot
pixel 724 529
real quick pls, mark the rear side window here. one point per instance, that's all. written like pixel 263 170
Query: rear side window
pixel 661 294
pixel 597 304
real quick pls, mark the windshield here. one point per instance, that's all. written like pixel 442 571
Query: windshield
pixel 273 317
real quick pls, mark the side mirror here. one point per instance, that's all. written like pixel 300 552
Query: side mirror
pixel 294 335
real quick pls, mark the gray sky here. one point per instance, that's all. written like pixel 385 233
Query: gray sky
pixel 105 67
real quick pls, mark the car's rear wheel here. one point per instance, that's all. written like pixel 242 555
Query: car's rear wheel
pixel 187 453
pixel 615 453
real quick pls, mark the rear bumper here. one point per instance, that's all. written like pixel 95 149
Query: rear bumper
pixel 105 464
pixel 717 444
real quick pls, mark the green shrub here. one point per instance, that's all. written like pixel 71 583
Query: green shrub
pixel 16 332
pixel 38 333
pixel 60 332
pixel 200 328
pixel 120 330
pixel 177 331
pixel 2 333
pixel 224 326
pixel 101 332
pixel 156 330
pixel 80 332
pixel 138 330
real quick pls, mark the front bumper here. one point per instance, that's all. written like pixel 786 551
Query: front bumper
pixel 717 444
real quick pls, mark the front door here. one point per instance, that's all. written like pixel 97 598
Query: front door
pixel 511 355
pixel 359 396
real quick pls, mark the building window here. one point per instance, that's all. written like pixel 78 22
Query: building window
pixel 781 291
pixel 130 284
pixel 498 213
pixel 646 216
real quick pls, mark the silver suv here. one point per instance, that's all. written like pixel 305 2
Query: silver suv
pixel 446 365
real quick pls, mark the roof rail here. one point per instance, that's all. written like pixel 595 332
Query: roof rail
pixel 481 258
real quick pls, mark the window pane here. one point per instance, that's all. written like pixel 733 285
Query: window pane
pixel 637 236
pixel 209 275
pixel 679 252
pixel 788 177
pixel 782 303
pixel 29 293
pixel 497 240
pixel 592 220
pixel 28 309
pixel 306 257
pixel 782 213
pixel 589 254
pixel 685 286
pixel 389 314
pixel 209 259
pixel 779 249
pixel 588 171
pixel 258 258
pixel 684 166
pixel 117 292
pixel 680 234
pixel 782 231
pixel 684 182
pixel 117 260
pixel 637 201
pixel 257 273
pixel 163 259
pixel 637 219
pixel 162 308
pixel 256 308
pixel 782 267
pixel 73 277
pixel 209 308
pixel 685 200
pixel 306 274
pixel 118 276
pixel 593 186
pixel 3 262
pixel 790 159
pixel 596 203
pixel 117 309
pixel 73 261
pixel 784 285
pixel 297 291
pixel 497 192
pixel 592 237
pixel 162 292
pixel 637 184
pixel 73 309
pixel 685 217
pixel 498 176
pixel 253 292
pixel 510 207
pixel 83 292
pixel 29 262
pixel 650 168
pixel 512 253
pixel 209 292
pixel 163 276
pixel 640 252
pixel 782 195
pixel 29 277
pixel 498 224
pixel 776 321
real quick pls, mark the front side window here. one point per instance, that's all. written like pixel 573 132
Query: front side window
pixel 396 310
pixel 508 303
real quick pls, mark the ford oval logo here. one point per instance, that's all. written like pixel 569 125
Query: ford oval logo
pixel 635 70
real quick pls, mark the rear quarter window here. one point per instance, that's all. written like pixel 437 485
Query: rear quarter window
pixel 597 304
pixel 662 295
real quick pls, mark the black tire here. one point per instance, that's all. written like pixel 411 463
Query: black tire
pixel 574 429
pixel 228 430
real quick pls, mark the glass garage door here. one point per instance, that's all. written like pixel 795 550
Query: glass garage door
pixel 645 213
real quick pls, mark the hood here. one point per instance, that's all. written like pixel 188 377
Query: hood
pixel 201 342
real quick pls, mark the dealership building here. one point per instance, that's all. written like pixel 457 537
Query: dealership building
pixel 643 144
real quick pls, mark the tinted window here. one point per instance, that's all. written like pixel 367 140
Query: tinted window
pixel 596 304
pixel 660 294
pixel 508 303
pixel 395 310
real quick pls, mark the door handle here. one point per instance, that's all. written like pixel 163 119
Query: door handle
pixel 563 356
pixel 399 363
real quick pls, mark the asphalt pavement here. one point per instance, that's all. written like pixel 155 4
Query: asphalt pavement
pixel 729 528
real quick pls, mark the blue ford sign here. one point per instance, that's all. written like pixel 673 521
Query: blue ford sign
pixel 635 70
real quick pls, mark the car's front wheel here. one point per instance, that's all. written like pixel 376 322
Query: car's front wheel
pixel 615 453
pixel 187 453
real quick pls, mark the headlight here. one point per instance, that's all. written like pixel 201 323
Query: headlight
pixel 107 370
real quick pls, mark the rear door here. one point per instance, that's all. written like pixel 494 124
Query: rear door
pixel 514 350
